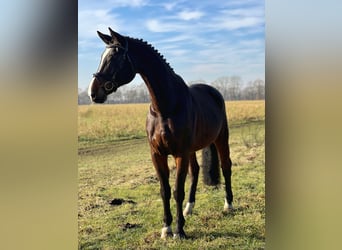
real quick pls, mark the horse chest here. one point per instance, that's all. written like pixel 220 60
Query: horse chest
pixel 165 136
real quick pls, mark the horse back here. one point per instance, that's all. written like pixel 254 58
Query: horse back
pixel 207 99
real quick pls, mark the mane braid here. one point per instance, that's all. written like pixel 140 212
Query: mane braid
pixel 155 51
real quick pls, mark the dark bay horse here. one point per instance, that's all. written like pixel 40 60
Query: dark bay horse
pixel 181 120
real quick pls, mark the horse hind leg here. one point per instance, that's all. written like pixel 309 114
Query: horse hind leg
pixel 194 170
pixel 226 165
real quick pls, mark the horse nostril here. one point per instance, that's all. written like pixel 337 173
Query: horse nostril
pixel 93 96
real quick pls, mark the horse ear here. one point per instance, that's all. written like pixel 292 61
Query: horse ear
pixel 105 38
pixel 117 38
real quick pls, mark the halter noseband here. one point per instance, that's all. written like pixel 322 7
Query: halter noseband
pixel 111 83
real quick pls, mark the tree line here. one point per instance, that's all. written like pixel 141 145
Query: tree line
pixel 231 88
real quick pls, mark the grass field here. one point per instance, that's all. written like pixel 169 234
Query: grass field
pixel 115 165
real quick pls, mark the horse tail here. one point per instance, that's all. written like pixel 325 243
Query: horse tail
pixel 210 166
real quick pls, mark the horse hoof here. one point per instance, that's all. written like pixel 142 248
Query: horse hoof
pixel 227 206
pixel 179 236
pixel 188 208
pixel 166 232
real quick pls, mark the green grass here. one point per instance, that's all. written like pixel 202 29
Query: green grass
pixel 110 167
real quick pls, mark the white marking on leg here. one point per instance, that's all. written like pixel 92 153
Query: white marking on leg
pixel 227 207
pixel 166 231
pixel 188 208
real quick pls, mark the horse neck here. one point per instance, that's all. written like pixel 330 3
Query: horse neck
pixel 166 88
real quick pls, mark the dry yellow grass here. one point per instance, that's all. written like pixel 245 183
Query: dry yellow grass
pixel 126 121
pixel 244 111
pixel 112 121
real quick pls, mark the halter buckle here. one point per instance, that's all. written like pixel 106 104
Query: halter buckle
pixel 109 86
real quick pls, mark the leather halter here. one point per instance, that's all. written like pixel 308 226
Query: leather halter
pixel 111 82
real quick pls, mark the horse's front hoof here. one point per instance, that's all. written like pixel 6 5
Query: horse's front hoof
pixel 180 236
pixel 166 232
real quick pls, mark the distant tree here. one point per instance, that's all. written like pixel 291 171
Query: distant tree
pixel 255 90
pixel 259 86
pixel 221 85
pixel 234 88
pixel 115 97
pixel 230 87
pixel 196 82
pixel 143 96
pixel 83 97
pixel 248 92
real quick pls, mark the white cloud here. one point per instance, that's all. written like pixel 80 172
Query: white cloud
pixel 245 12
pixel 170 6
pixel 131 3
pixel 238 23
pixel 111 4
pixel 89 21
pixel 156 25
pixel 174 39
pixel 234 19
pixel 189 15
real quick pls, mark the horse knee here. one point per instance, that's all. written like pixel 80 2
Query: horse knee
pixel 165 192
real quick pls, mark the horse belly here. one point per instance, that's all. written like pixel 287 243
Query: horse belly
pixel 202 140
pixel 207 128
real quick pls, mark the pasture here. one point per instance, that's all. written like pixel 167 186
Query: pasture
pixel 119 205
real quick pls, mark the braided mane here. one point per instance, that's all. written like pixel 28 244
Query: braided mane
pixel 154 50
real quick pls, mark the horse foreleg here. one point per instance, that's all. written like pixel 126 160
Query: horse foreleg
pixel 162 169
pixel 194 169
pixel 182 164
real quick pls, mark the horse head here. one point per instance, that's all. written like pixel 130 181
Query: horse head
pixel 115 69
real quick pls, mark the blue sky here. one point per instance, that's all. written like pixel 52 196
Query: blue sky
pixel 202 40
